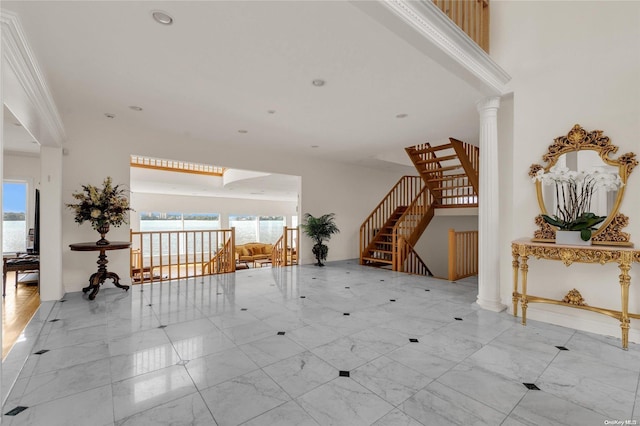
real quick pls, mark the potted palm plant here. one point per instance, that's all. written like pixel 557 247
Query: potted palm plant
pixel 320 229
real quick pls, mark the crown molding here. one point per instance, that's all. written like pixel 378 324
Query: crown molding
pixel 31 101
pixel 442 40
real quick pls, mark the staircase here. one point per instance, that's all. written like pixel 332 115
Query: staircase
pixel 448 178
pixel 450 172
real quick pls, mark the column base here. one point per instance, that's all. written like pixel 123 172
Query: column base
pixel 491 305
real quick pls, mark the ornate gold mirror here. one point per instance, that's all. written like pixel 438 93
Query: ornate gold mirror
pixel 588 155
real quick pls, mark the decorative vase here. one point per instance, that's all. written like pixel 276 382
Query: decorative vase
pixel 103 231
pixel 571 238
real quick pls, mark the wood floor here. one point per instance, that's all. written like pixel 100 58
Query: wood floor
pixel 18 306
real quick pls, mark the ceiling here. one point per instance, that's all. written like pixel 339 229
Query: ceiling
pixel 241 72
pixel 16 137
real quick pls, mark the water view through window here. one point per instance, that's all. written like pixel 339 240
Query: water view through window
pixel 14 212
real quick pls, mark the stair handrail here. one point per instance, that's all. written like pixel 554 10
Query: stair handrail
pixel 418 208
pixel 224 259
pixel 469 156
pixel 410 226
pixel 402 194
pixel 285 250
pixel 409 261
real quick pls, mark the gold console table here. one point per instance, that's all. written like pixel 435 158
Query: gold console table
pixel 624 256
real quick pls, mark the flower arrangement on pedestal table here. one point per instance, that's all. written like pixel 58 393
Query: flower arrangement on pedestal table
pixel 102 207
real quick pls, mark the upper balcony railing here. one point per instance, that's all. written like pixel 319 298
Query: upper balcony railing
pixel 472 16
pixel 175 166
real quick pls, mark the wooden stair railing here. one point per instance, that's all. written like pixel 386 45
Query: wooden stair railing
pixel 285 250
pixel 472 16
pixel 463 254
pixel 408 230
pixel 376 225
pixel 170 255
pixel 224 260
pixel 410 263
pixel 450 171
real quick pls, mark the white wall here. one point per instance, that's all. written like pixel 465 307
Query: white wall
pixel 101 148
pixel 571 62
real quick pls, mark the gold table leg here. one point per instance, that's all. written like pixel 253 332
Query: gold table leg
pixel 625 280
pixel 516 266
pixel 524 268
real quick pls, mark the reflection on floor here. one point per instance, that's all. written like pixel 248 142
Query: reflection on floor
pixel 18 306
pixel 340 345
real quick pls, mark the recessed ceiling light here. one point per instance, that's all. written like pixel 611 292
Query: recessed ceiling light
pixel 243 131
pixel 402 115
pixel 318 82
pixel 162 17
pixel 109 115
pixel 135 108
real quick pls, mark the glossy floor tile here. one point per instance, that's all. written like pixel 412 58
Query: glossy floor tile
pixel 342 345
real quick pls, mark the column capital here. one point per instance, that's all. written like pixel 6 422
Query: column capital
pixel 488 103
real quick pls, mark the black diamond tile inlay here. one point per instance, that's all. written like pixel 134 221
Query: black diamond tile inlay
pixel 149 304
pixel 303 297
pixel 392 300
pixel 381 280
pixel 61 301
pixel 531 386
pixel 218 294
pixel 347 287
pixel 562 348
pixel 41 351
pixel 19 409
pixel 346 314
pixel 426 289
pixel 281 333
pixel 243 309
pixel 413 340
pixel 313 278
pixel 458 319
pixel 344 373
pixel 54 320
pixel 162 326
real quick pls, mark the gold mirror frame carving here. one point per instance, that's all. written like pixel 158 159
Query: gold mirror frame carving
pixel 610 231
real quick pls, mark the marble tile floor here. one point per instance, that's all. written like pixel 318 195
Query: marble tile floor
pixel 342 345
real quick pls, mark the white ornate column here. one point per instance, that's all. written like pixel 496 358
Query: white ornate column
pixel 488 208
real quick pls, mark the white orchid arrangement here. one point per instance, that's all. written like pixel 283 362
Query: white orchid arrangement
pixel 574 192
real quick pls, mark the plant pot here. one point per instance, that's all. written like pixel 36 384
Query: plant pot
pixel 571 238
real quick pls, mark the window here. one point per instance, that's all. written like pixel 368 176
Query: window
pixel 201 221
pixel 157 221
pixel 14 216
pixel 271 228
pixel 246 228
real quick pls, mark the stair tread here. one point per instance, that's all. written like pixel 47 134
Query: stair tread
pixel 447 158
pixel 448 177
pixel 432 149
pixel 375 259
pixel 442 169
